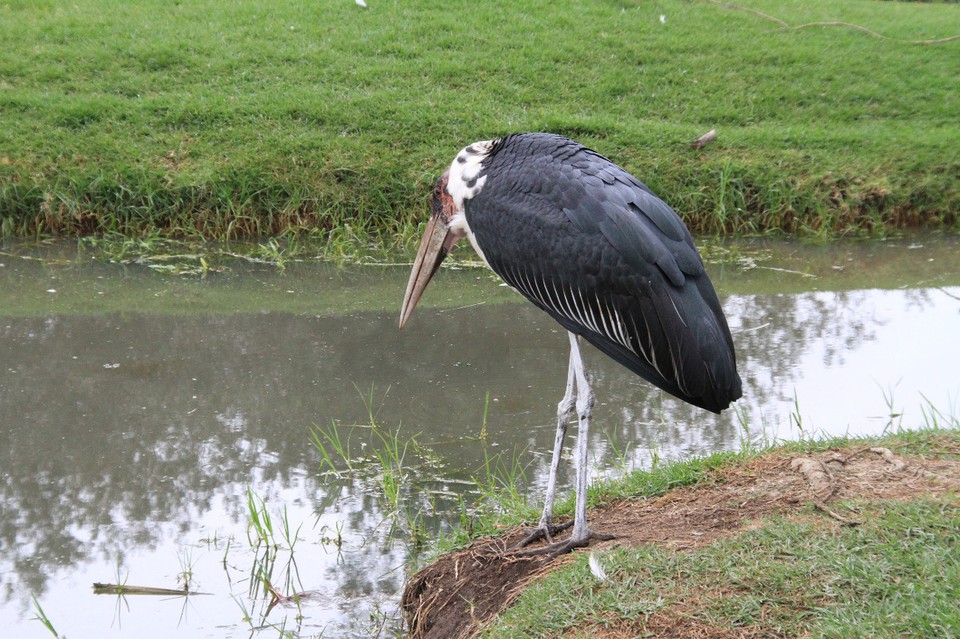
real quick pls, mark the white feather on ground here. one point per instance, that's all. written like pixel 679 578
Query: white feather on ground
pixel 596 568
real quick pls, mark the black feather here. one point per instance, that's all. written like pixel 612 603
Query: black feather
pixel 592 246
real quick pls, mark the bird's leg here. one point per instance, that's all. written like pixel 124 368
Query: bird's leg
pixel 582 534
pixel 545 529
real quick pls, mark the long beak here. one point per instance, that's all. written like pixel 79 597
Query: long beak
pixel 433 248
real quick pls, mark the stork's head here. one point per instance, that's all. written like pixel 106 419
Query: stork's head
pixel 439 238
pixel 448 222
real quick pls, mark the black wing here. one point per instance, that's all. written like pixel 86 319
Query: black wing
pixel 592 246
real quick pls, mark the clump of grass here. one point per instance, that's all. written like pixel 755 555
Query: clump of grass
pixel 391 454
pixel 268 575
pixel 384 460
pixel 387 449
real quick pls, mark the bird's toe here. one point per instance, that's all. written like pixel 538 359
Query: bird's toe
pixel 542 531
pixel 558 548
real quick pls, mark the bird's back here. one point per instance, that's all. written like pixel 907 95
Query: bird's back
pixel 592 246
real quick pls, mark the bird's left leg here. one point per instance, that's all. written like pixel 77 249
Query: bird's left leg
pixel 582 534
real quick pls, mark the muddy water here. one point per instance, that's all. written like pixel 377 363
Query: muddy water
pixel 138 408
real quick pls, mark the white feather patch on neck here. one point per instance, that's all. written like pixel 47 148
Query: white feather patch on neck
pixel 458 224
pixel 465 179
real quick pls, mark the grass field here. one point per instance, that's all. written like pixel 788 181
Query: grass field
pixel 245 119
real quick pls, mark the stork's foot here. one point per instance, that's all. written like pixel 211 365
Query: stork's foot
pixel 542 531
pixel 562 547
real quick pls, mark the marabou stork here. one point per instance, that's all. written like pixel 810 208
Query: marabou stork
pixel 592 246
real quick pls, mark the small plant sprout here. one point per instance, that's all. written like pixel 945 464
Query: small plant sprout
pixel 894 417
pixel 289 536
pixel 483 425
pixel 795 418
pixel 368 404
pixel 336 539
pixel 260 523
pixel 621 455
pixel 185 576
pixel 332 448
pixel 226 552
pixel 935 418
pixel 41 616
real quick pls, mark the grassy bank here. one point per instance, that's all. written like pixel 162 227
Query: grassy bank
pixel 245 119
pixel 734 545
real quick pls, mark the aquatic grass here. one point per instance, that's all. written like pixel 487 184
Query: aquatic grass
pixel 503 482
pixel 500 499
pixel 257 621
pixel 333 448
pixel 41 616
pixel 226 552
pixel 267 556
pixel 185 576
pixel 368 403
pixel 260 522
pixel 261 525
pixel 894 417
pixel 337 538
pixel 290 536
pixel 386 447
pixel 754 266
pixel 393 474
pixel 196 256
pixel 484 435
pixel 393 465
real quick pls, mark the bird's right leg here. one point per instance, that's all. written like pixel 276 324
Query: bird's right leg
pixel 565 410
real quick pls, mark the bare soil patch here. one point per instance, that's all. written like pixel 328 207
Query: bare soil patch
pixel 464 590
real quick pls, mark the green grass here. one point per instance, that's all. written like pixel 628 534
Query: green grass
pixel 244 119
pixel 896 574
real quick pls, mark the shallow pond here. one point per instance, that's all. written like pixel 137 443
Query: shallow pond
pixel 141 413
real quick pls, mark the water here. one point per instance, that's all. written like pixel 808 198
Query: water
pixel 137 409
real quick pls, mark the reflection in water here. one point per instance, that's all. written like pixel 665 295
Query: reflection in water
pixel 128 440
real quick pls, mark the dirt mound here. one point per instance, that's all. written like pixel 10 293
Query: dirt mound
pixel 464 590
